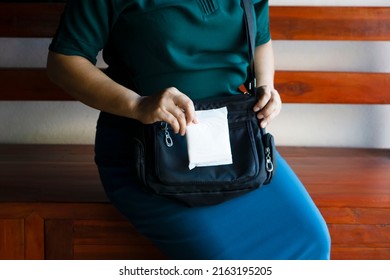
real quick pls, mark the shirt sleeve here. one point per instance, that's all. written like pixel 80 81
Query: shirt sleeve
pixel 84 28
pixel 263 34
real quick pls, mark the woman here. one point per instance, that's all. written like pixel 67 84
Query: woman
pixel 161 55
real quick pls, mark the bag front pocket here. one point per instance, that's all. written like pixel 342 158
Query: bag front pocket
pixel 171 159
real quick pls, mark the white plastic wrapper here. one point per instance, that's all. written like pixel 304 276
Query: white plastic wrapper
pixel 208 141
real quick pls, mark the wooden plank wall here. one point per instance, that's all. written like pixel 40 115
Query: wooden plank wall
pixel 287 23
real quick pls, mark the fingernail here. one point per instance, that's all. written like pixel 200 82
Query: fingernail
pixel 264 124
pixel 260 116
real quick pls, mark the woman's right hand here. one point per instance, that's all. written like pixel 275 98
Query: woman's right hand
pixel 170 105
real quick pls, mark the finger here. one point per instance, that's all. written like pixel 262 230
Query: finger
pixel 169 118
pixel 265 117
pixel 187 107
pixel 264 93
pixel 267 110
pixel 265 121
pixel 180 119
pixel 271 110
pixel 169 110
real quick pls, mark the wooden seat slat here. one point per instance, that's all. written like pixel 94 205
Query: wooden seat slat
pixel 67 173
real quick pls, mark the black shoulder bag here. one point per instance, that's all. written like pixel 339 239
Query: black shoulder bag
pixel 162 161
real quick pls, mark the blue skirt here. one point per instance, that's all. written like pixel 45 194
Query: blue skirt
pixel 276 221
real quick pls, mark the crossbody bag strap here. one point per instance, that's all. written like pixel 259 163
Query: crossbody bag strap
pixel 249 24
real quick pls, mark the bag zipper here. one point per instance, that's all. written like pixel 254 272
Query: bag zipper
pixel 168 138
pixel 269 160
pixel 269 166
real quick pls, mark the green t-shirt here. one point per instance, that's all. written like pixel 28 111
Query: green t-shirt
pixel 198 46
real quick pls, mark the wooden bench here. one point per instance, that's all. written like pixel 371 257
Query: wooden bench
pixel 52 205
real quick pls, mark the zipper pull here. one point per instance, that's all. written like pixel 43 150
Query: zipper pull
pixel 268 160
pixel 269 153
pixel 168 138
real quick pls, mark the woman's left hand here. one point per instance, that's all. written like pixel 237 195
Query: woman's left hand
pixel 268 106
